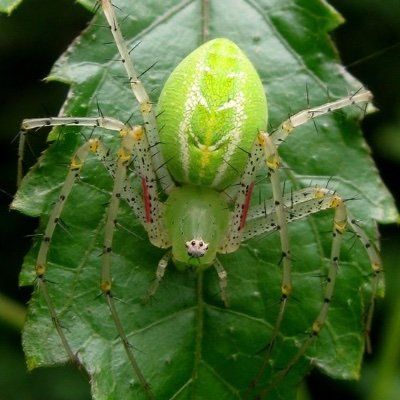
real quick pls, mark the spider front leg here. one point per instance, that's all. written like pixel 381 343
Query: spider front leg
pixel 147 207
pixel 146 106
pixel 302 117
pixel 37 123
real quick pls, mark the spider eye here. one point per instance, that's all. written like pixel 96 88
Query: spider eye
pixel 193 243
pixel 201 244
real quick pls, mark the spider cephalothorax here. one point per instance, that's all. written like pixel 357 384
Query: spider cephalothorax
pixel 197 219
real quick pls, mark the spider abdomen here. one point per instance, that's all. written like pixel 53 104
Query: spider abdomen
pixel 211 108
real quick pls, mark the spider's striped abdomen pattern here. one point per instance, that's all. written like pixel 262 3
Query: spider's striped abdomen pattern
pixel 211 109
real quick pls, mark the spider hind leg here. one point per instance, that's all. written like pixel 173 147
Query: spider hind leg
pixel 300 205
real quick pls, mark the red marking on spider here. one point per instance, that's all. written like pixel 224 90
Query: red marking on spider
pixel 246 206
pixel 146 200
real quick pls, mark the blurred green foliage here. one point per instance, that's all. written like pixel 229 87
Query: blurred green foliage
pixel 34 36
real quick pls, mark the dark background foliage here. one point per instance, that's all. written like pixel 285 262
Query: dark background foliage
pixel 34 36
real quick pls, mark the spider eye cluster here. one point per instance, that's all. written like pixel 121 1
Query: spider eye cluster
pixel 196 247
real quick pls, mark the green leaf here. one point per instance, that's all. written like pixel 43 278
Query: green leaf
pixel 8 6
pixel 288 43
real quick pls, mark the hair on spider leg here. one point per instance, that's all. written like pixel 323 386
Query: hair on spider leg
pixel 328 183
pixel 328 94
pixel 161 128
pixel 100 112
pixel 155 153
pixel 262 179
pixel 315 126
pixel 160 113
pixel 311 274
pixel 307 95
pixel 261 237
pixel 63 226
pixel 127 121
pixel 230 165
pixel 357 91
pixel 34 235
pixel 156 144
pixel 284 187
pixel 101 25
pixel 356 197
pixel 119 225
pixel 134 46
pixel 47 280
pixel 96 7
pixel 118 336
pixel 284 255
pixel 225 193
pixel 354 238
pixel 244 150
pixel 119 299
pixel 148 69
pixel 165 163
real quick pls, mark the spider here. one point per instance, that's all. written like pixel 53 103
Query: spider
pixel 196 176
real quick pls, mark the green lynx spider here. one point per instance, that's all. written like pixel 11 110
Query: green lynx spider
pixel 222 139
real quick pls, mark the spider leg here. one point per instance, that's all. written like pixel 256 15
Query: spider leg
pixel 37 123
pixel 273 163
pixel 146 106
pixel 300 204
pixel 131 196
pixel 263 149
pixel 130 139
pixel 287 127
pixel 152 205
pixel 242 201
pixel 377 270
pixel 76 164
pixel 162 266
pixel 339 226
pixel 147 208
pixel 223 280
